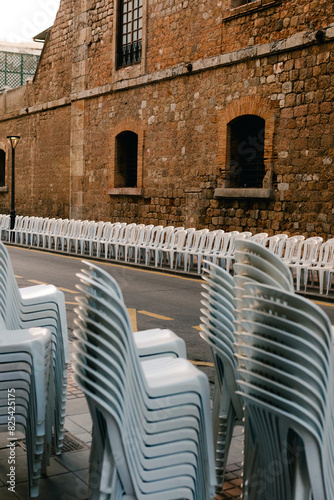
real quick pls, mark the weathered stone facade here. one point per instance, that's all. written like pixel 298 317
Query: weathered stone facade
pixel 204 63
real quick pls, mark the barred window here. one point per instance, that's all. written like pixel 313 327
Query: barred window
pixel 126 159
pixel 130 32
pixel 15 69
pixel 237 3
pixel 246 152
pixel 2 168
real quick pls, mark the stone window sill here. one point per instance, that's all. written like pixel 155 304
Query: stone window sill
pixel 243 10
pixel 126 191
pixel 243 193
pixel 3 189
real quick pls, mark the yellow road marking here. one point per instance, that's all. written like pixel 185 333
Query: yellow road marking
pixel 133 317
pixel 72 303
pixel 158 316
pixel 197 328
pixel 18 277
pixel 59 287
pixel 327 304
pixel 201 363
pixel 66 290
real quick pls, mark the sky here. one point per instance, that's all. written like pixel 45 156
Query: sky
pixel 21 20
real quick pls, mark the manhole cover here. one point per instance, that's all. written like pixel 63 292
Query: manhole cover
pixel 70 443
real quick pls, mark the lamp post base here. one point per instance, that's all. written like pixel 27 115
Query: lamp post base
pixel 12 224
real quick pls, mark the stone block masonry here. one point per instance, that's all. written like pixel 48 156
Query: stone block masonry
pixel 204 64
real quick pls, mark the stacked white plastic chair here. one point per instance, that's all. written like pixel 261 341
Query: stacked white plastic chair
pixel 151 343
pixel 284 350
pixel 285 356
pixel 40 306
pixel 217 325
pixel 152 431
pixel 25 360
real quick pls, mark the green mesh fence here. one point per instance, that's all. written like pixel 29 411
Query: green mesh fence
pixel 15 68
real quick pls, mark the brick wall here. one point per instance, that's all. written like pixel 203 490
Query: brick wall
pixel 263 58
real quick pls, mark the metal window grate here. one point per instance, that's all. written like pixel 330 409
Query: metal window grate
pixel 247 161
pixel 130 33
pixel 126 159
pixel 15 68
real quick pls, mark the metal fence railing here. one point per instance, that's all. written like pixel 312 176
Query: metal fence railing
pixel 16 68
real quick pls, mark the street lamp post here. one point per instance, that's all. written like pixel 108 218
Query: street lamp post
pixel 13 140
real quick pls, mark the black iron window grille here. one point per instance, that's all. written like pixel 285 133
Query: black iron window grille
pixel 130 32
pixel 126 159
pixel 247 161
pixel 2 168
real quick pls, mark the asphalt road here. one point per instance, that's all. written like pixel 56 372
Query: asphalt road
pixel 154 299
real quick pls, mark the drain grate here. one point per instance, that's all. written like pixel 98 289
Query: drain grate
pixel 70 443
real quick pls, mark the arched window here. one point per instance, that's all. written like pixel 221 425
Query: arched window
pixel 126 156
pixel 246 152
pixel 2 168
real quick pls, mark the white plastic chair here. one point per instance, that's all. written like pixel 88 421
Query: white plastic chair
pixel 8 234
pixel 140 238
pixel 290 248
pixel 151 343
pixel 157 441
pixel 164 244
pixel 116 235
pixel 175 247
pixel 158 237
pixel 25 362
pixel 324 265
pixel 100 234
pixel 306 257
pixel 218 331
pixel 259 237
pixel 44 237
pixel 213 243
pixel 142 249
pixel 197 243
pixel 39 306
pixel 5 227
pixel 285 358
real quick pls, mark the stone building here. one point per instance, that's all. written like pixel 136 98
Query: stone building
pixel 215 113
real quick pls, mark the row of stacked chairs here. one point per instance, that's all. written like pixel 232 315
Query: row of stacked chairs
pixel 34 357
pixel 150 406
pixel 273 354
pixel 176 247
